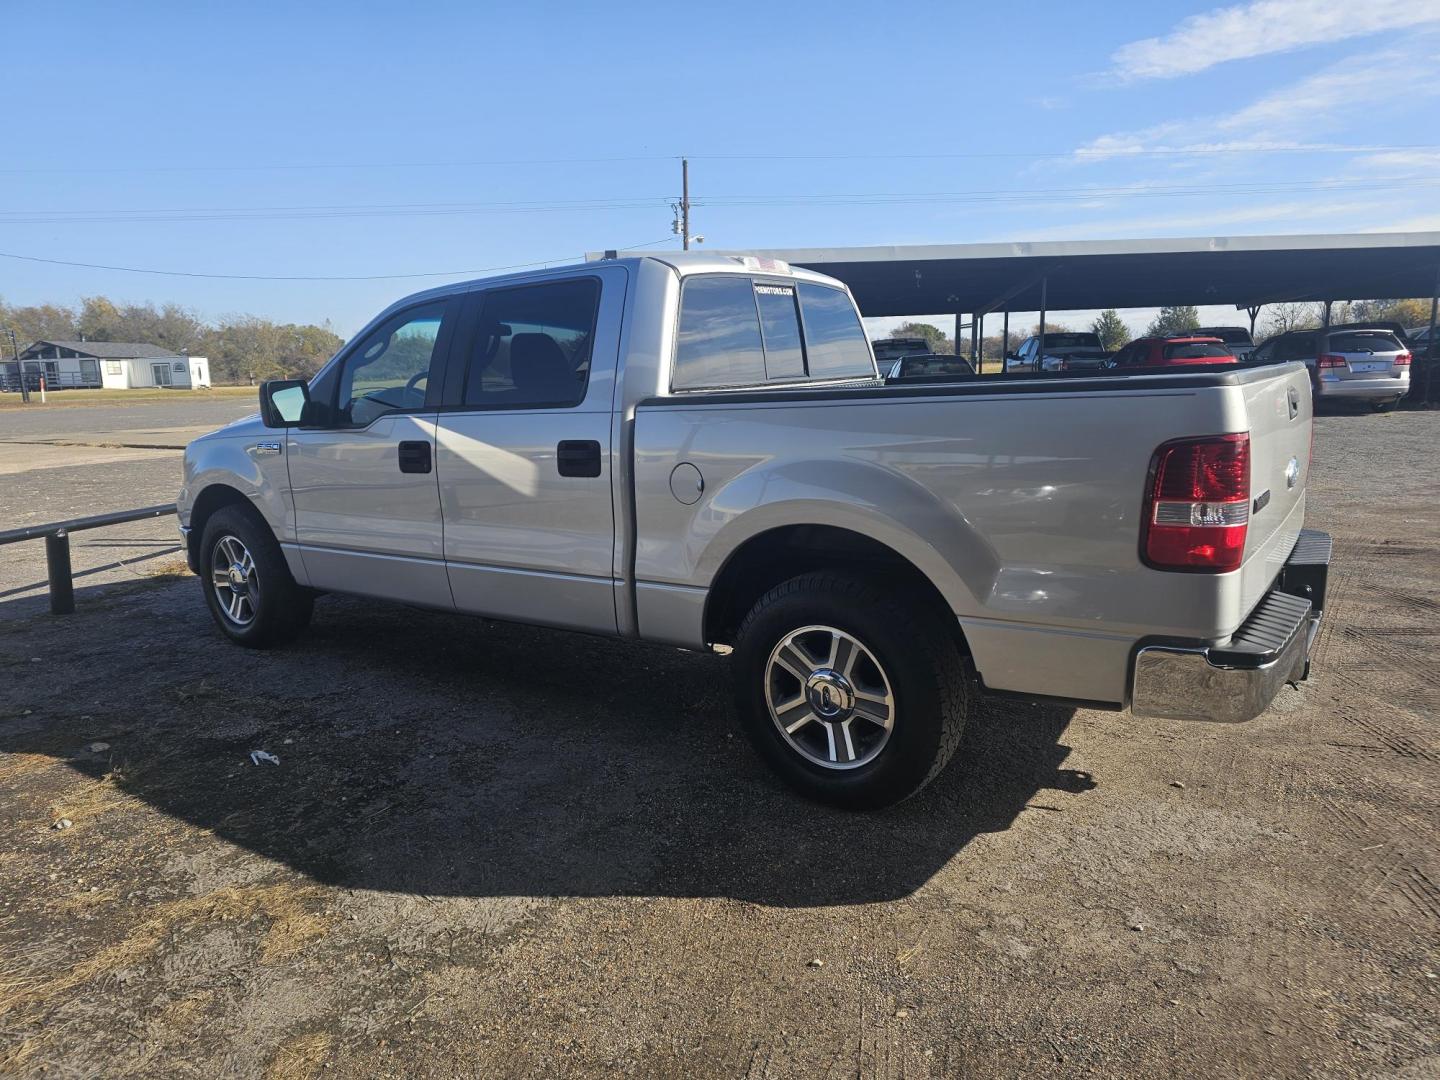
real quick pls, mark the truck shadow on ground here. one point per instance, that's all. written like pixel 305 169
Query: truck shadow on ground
pixel 431 754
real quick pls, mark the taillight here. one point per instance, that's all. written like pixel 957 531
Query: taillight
pixel 1331 361
pixel 1403 360
pixel 1197 504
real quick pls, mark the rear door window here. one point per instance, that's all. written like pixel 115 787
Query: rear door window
pixel 532 346
pixel 1365 341
pixel 835 341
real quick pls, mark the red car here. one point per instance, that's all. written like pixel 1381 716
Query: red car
pixel 1180 351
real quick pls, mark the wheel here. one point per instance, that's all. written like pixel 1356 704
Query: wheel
pixel 854 693
pixel 247 584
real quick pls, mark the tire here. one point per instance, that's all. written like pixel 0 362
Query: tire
pixel 270 609
pixel 901 648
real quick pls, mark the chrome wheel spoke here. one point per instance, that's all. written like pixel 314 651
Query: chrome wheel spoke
pixel 795 725
pixel 839 743
pixel 794 661
pixel 873 707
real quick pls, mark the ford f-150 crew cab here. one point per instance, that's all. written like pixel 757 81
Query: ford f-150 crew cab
pixel 696 450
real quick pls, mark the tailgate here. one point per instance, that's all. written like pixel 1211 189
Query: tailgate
pixel 1279 414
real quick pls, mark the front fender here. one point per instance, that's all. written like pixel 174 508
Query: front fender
pixel 241 461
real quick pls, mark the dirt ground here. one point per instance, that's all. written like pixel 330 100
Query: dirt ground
pixel 489 850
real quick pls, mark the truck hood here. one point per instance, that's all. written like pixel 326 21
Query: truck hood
pixel 245 427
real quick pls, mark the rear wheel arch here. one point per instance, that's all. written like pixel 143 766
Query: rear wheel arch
pixel 779 554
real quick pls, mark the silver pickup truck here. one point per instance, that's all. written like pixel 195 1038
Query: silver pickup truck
pixel 697 451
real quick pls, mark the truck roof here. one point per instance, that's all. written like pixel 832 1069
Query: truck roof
pixel 683 263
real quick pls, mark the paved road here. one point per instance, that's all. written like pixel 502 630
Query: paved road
pixel 504 851
pixel 97 469
pixel 69 421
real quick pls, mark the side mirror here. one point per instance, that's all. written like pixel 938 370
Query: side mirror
pixel 283 401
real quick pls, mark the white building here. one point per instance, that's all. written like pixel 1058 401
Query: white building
pixel 114 365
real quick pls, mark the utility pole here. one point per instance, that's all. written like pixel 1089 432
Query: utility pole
pixel 682 208
pixel 19 368
pixel 685 203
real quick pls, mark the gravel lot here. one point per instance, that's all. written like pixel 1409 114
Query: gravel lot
pixel 500 851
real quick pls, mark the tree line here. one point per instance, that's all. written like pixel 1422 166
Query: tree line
pixel 241 348
pixel 1114 332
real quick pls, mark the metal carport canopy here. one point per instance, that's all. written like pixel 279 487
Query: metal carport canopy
pixel 922 279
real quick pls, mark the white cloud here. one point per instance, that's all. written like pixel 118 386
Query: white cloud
pixel 1315 105
pixel 1262 28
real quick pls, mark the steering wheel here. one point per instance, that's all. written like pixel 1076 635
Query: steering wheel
pixel 410 384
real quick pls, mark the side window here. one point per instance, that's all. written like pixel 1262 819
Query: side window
pixel 390 368
pixel 719 340
pixel 835 342
pixel 780 329
pixel 532 346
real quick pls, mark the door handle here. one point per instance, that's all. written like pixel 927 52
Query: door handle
pixel 578 457
pixel 415 456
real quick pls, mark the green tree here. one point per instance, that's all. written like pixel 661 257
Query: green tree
pixel 1111 329
pixel 934 337
pixel 1173 320
pixel 37 322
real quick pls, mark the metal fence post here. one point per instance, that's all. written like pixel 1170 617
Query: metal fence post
pixel 57 565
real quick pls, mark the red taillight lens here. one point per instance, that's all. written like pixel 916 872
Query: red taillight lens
pixel 1197 504
pixel 1403 360
pixel 1331 361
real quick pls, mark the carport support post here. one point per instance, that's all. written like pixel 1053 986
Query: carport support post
pixel 1044 301
pixel 1254 311
pixel 57 566
pixel 1432 354
pixel 979 356
pixel 1327 312
pixel 1005 340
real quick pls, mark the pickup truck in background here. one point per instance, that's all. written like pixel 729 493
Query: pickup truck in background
pixel 888 350
pixel 1065 350
pixel 696 450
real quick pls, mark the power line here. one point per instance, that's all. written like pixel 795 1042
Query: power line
pixel 314 277
pixel 1082 153
pixel 1001 195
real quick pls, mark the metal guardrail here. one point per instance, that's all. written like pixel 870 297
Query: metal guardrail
pixel 56 535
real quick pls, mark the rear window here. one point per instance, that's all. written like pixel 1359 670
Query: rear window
pixel 834 339
pixel 1195 350
pixel 1072 341
pixel 1365 341
pixel 719 341
pixel 780 329
pixel 738 332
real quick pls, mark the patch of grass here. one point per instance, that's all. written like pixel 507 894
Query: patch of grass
pixel 299 1059
pixel 63 398
pixel 292 926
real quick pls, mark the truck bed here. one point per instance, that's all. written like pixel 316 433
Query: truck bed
pixel 1018 496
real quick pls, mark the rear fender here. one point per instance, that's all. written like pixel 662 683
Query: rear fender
pixel 858 496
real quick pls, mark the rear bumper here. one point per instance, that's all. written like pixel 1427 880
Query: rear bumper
pixel 1236 681
pixel 1376 389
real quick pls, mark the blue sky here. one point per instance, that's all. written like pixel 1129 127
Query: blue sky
pixel 383 139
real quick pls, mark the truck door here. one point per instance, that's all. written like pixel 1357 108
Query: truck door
pixel 362 465
pixel 524 454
